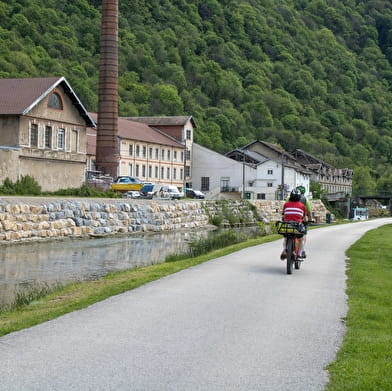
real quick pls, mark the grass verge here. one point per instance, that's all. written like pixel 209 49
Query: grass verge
pixel 364 361
pixel 82 294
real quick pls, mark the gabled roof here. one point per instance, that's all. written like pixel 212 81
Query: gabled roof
pixel 274 147
pixel 133 130
pixel 164 121
pixel 250 156
pixel 309 160
pixel 19 96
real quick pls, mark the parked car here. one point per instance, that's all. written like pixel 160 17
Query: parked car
pixel 194 194
pixel 170 191
pixel 126 183
pixel 148 190
pixel 132 194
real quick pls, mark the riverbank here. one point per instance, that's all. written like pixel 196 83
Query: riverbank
pixel 80 295
pixel 43 218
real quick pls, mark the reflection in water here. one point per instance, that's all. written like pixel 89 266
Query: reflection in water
pixel 70 260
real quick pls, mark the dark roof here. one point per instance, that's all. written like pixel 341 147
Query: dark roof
pixel 308 159
pixel 164 121
pixel 19 96
pixel 141 132
pixel 251 156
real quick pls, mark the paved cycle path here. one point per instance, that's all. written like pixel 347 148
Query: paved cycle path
pixel 235 323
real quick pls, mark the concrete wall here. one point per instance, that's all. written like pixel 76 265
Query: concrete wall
pixel 24 219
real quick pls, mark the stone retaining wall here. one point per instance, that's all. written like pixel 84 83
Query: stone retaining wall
pixel 41 218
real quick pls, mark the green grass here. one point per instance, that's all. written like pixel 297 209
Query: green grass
pixel 364 362
pixel 80 295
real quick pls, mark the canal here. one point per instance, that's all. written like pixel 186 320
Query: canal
pixel 25 265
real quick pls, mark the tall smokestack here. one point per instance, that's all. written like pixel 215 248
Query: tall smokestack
pixel 107 152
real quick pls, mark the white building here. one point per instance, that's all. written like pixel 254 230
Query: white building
pixel 258 170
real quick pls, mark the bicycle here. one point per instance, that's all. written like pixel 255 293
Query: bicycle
pixel 293 232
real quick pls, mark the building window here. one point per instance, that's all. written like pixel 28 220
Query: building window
pixel 156 153
pixel 34 135
pixel 150 153
pixel 269 184
pixel 74 141
pixel 137 170
pixel 150 171
pixel 188 154
pixel 162 173
pixel 168 154
pixel 60 139
pixel 182 156
pixel 48 137
pixel 144 151
pixel 143 171
pixel 174 173
pixel 130 170
pixel 205 183
pixel 225 183
pixel 181 173
pixel 156 171
pixel 130 149
pixel 188 134
pixel 175 156
pixel 163 154
pixel 168 173
pixel 55 102
pixel 187 171
pixel 260 196
pixel 137 150
pixel 270 172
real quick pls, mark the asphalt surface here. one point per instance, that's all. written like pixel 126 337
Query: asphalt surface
pixel 238 322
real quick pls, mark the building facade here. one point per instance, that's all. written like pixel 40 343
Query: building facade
pixel 336 182
pixel 247 173
pixel 180 128
pixel 42 132
pixel 146 153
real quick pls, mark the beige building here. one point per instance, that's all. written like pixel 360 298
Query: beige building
pixel 181 128
pixel 336 182
pixel 149 153
pixel 42 132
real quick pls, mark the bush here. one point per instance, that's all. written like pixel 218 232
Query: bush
pixel 26 185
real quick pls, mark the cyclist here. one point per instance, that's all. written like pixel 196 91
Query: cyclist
pixel 293 210
pixel 306 202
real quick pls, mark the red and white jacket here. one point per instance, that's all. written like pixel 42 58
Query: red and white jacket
pixel 294 211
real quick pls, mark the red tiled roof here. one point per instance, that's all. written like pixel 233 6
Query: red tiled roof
pixel 163 121
pixel 141 132
pixel 19 96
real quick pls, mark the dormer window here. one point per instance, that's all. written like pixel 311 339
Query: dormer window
pixel 55 101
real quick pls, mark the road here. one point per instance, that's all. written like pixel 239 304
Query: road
pixel 235 323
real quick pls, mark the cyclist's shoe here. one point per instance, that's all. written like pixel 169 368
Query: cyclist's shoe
pixel 283 255
pixel 303 254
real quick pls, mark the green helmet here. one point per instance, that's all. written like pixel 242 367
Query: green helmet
pixel 301 189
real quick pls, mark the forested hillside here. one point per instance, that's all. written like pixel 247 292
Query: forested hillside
pixel 315 75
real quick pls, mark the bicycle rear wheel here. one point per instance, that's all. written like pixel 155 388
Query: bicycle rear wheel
pixel 290 256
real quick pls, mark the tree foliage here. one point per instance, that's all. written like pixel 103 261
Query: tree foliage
pixel 314 74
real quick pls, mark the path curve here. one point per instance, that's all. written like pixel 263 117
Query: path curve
pixel 234 323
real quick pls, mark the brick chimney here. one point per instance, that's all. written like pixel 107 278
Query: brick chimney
pixel 107 152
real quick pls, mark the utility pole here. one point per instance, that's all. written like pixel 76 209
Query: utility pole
pixel 243 176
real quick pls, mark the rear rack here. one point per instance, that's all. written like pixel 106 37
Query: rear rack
pixel 290 227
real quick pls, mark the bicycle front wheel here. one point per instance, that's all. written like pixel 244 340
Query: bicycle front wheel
pixel 290 256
